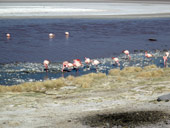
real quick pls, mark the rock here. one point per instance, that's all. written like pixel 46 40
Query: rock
pixel 152 39
pixel 165 98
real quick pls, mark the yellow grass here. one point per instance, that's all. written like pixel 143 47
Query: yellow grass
pixel 129 76
pixel 114 72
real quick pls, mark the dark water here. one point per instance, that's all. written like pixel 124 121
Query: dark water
pixel 94 38
pixel 22 55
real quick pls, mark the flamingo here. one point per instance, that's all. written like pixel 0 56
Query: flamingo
pixel 148 55
pixel 116 60
pixel 77 63
pixel 87 61
pixel 66 64
pixel 8 36
pixel 165 60
pixel 167 54
pixel 46 63
pixel 95 62
pixel 51 35
pixel 67 33
pixel 126 52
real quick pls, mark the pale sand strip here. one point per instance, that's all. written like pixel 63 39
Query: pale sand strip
pixel 95 9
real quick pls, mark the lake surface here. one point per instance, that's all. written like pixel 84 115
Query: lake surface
pixel 29 44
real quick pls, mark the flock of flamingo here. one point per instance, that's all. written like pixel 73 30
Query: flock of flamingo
pixel 67 66
pixel 77 62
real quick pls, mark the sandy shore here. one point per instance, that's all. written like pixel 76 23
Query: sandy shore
pixel 65 109
pixel 106 102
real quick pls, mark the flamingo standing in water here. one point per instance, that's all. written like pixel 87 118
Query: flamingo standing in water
pixel 165 58
pixel 66 64
pixel 95 62
pixel 167 54
pixel 116 60
pixel 77 63
pixel 51 35
pixel 87 61
pixel 46 63
pixel 148 55
pixel 126 52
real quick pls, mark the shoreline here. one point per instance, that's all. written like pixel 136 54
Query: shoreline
pixel 82 9
pixel 142 16
pixel 71 105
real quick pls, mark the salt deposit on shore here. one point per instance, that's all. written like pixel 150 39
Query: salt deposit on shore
pixel 83 9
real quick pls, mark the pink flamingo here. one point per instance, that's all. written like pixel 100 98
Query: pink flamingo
pixel 95 62
pixel 66 64
pixel 51 35
pixel 8 36
pixel 116 60
pixel 46 63
pixel 126 52
pixel 167 54
pixel 77 63
pixel 148 55
pixel 87 61
pixel 165 60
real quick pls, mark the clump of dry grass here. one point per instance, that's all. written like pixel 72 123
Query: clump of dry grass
pixel 150 67
pixel 54 84
pixel 88 80
pixel 116 77
pixel 34 86
pixel 70 78
pixel 114 72
pixel 130 71
pixel 153 73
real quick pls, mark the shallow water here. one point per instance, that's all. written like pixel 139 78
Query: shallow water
pixel 22 54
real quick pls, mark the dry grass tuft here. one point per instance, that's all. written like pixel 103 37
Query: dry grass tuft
pixel 83 81
pixel 88 80
pixel 34 86
pixel 149 74
pixel 130 70
pixel 70 78
pixel 54 84
pixel 97 80
pixel 114 72
pixel 150 67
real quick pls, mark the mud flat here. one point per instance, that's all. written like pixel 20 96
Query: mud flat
pixel 124 98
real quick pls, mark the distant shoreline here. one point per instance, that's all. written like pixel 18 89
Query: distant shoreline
pixel 91 17
pixel 98 9
pixel 89 1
